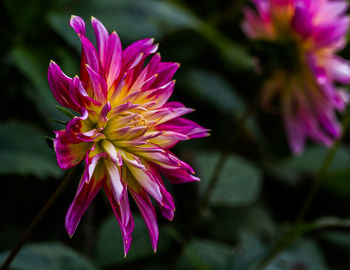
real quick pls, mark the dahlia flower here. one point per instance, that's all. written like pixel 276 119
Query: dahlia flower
pixel 125 128
pixel 312 31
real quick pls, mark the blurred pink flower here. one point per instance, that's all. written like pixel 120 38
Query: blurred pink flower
pixel 309 98
pixel 125 130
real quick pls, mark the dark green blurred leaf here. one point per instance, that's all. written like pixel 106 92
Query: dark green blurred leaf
pixel 337 177
pixel 338 238
pixel 65 111
pixel 213 89
pixel 110 250
pixel 239 183
pixel 328 222
pixel 39 92
pixel 23 150
pixel 304 254
pixel 48 256
pixel 206 254
pixel 134 19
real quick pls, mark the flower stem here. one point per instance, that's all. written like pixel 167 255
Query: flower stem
pixel 295 231
pixel 215 176
pixel 39 217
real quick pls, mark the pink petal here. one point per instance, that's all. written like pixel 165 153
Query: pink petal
pixel 102 37
pixel 77 24
pixel 85 194
pixel 185 127
pixel 98 85
pixel 149 215
pixel 123 215
pixel 60 84
pixel 114 57
pixel 69 154
pixel 90 55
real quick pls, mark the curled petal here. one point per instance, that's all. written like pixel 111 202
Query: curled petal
pixel 81 97
pixel 60 84
pixel 69 154
pixel 77 24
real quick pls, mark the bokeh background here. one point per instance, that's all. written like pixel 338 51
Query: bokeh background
pixel 261 186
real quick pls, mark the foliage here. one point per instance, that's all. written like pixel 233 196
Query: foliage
pixel 260 187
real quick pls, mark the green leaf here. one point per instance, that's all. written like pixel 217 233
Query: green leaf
pixel 44 256
pixel 23 150
pixel 213 89
pixel 338 238
pixel 65 111
pixel 337 177
pixel 134 19
pixel 206 254
pixel 304 253
pixel 239 181
pixel 39 92
pixel 110 250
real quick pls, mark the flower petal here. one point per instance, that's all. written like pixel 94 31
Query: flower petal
pixel 102 37
pixel 69 154
pixel 123 215
pixel 98 85
pixel 60 84
pixel 77 24
pixel 114 57
pixel 85 194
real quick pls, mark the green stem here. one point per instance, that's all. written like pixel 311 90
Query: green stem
pixel 294 232
pixel 39 218
pixel 215 176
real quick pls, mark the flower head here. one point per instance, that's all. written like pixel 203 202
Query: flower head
pixel 311 31
pixel 125 131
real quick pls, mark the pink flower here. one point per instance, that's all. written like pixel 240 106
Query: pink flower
pixel 314 30
pixel 125 131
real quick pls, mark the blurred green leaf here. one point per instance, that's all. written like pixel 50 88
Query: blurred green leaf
pixel 239 183
pixel 39 93
pixel 48 256
pixel 65 111
pixel 337 177
pixel 60 23
pixel 134 19
pixel 214 89
pixel 207 254
pixel 338 238
pixel 304 254
pixel 23 150
pixel 110 250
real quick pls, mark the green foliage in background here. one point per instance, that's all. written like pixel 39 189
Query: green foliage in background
pixel 261 185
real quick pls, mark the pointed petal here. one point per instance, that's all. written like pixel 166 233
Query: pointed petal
pixel 123 215
pixel 102 37
pixel 85 194
pixel 149 215
pixel 185 127
pixel 114 57
pixel 98 85
pixel 90 55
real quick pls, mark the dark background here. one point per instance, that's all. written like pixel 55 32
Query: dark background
pixel 261 186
